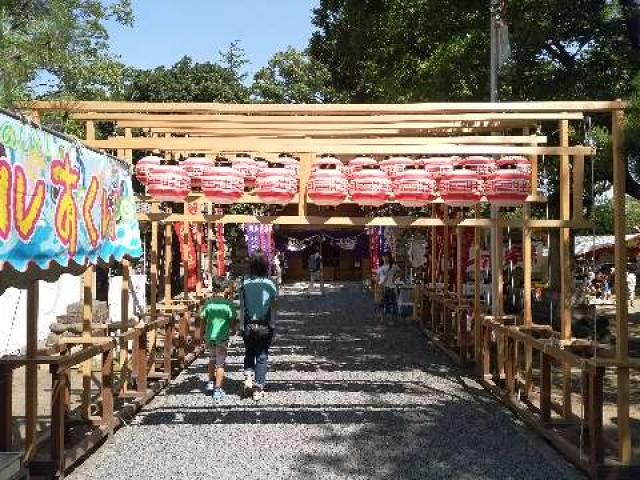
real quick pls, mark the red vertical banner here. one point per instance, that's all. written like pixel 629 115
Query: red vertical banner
pixel 220 252
pixel 188 250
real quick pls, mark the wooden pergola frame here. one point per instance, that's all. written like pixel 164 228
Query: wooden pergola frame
pixel 178 130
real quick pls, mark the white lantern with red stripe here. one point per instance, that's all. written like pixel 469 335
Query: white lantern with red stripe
pixel 144 165
pixel 436 167
pixel 196 167
pixel 483 166
pixel 328 184
pixel 276 185
pixel 358 163
pixel 168 183
pixel 248 167
pixel 509 185
pixel 290 162
pixel 461 187
pixel 261 163
pixel 222 184
pixel 393 166
pixel 371 187
pixel 414 188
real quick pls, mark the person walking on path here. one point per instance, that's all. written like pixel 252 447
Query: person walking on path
pixel 315 270
pixel 387 276
pixel 257 298
pixel 631 284
pixel 219 313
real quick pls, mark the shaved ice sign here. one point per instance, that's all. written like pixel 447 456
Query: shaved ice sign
pixel 61 202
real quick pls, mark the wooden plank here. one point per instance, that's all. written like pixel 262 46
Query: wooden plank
pixel 58 393
pixel 477 324
pixel 124 319
pixel 277 119
pixel 443 107
pixel 620 252
pixel 106 393
pixel 87 317
pixel 31 374
pixel 595 406
pixel 545 391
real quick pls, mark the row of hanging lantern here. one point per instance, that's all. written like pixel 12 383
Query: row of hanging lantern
pixel 459 181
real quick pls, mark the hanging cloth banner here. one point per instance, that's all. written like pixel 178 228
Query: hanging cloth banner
pixel 220 249
pixel 188 250
pixel 61 204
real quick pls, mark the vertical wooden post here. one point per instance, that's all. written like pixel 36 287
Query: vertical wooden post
pixel 459 267
pixel 58 392
pixel 107 388
pixel 153 265
pixel 140 349
pixel 90 130
pixel 622 333
pixel 545 390
pixel 124 318
pixel 578 187
pixel 496 270
pixel 596 450
pixel 87 317
pixel 305 172
pixel 6 408
pixel 31 380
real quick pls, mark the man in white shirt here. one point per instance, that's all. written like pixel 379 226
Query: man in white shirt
pixel 387 275
pixel 631 284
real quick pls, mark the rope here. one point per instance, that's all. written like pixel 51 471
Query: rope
pixel 13 320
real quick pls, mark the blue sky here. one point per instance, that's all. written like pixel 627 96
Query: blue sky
pixel 166 30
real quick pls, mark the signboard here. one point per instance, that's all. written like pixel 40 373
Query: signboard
pixel 61 203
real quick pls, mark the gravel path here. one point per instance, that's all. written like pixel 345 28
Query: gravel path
pixel 346 398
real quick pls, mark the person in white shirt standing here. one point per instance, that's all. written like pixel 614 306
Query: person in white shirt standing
pixel 387 275
pixel 631 285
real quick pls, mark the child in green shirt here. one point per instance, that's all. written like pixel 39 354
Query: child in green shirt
pixel 220 316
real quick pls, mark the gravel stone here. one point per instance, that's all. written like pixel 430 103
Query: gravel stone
pixel 346 397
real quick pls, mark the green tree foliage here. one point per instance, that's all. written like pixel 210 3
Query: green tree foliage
pixel 437 50
pixel 603 216
pixel 189 81
pixel 292 76
pixel 62 44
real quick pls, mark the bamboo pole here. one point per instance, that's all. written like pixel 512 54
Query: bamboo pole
pixel 622 347
pixel 31 383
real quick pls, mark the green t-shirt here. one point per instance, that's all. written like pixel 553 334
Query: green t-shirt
pixel 218 313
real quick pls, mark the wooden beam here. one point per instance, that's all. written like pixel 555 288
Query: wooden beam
pixel 168 251
pixel 620 252
pixel 578 187
pixel 298 119
pixel 417 108
pixel 196 144
pixel 87 318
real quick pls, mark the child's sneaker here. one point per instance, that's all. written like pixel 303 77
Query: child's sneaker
pixel 210 386
pixel 248 384
pixel 218 394
pixel 258 394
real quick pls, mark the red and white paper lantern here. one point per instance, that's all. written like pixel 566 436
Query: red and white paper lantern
pixel 436 167
pixel 223 185
pixel 518 162
pixel 483 166
pixel 248 167
pixel 370 187
pixel 328 184
pixel 414 188
pixel 290 163
pixel 276 185
pixel 393 166
pixel 461 187
pixel 144 165
pixel 196 167
pixel 168 183
pixel 358 163
pixel 509 185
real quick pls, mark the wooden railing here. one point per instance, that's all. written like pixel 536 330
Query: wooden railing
pixel 130 372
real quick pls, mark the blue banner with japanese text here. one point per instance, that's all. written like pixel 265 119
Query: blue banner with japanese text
pixel 61 202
